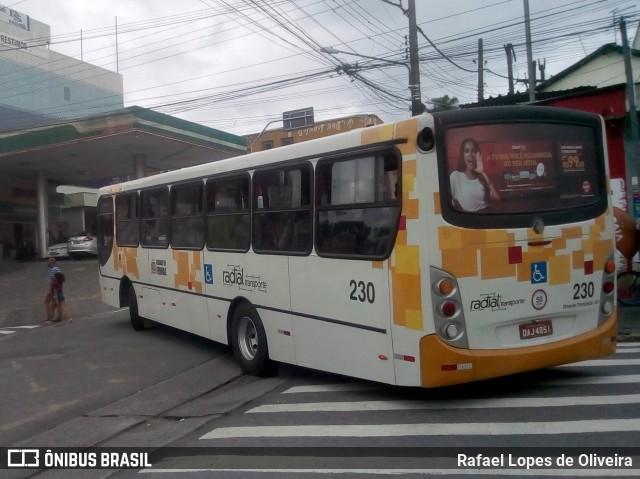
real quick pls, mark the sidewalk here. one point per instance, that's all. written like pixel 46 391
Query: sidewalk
pixel 23 285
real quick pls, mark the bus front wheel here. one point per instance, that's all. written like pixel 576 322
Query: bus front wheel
pixel 249 341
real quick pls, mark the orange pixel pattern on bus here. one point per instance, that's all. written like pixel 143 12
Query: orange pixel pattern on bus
pixel 404 263
pixel 492 254
pixel 187 270
pixel 126 260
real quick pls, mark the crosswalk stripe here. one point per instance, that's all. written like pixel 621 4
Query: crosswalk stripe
pixel 603 362
pixel 429 429
pixel 619 379
pixel 483 403
pixel 628 350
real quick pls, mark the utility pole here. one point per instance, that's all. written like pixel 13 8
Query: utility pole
pixel 511 56
pixel 480 71
pixel 531 65
pixel 414 61
pixel 632 143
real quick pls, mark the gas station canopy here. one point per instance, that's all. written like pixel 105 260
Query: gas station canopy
pixel 100 150
pixel 92 151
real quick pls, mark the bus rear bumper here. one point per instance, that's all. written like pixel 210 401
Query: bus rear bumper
pixel 443 365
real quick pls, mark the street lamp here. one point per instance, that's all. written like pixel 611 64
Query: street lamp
pixel 414 86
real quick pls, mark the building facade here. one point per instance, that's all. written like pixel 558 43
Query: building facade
pixel 39 87
pixel 282 137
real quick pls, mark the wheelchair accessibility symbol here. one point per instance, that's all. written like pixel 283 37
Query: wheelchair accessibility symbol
pixel 539 272
pixel 208 274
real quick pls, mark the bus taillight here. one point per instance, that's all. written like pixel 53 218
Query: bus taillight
pixel 610 266
pixel 445 287
pixel 608 286
pixel 448 309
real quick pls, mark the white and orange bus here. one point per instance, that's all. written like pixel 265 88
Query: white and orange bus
pixel 442 249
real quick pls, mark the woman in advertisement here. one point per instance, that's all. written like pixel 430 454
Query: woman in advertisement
pixel 471 188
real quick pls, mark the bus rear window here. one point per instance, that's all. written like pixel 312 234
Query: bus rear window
pixel 522 169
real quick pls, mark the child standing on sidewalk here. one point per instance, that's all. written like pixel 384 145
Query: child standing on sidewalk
pixel 57 296
pixel 49 304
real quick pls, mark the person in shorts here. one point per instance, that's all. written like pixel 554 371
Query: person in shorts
pixel 57 295
pixel 49 304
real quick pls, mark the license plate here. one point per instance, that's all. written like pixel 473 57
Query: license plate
pixel 536 329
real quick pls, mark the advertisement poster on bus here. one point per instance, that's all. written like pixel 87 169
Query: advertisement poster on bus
pixel 499 167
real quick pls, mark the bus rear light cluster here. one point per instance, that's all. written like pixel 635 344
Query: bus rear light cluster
pixel 607 297
pixel 447 308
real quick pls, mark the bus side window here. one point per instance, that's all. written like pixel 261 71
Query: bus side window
pixel 187 226
pixel 155 206
pixel 358 205
pixel 228 222
pixel 282 213
pixel 127 226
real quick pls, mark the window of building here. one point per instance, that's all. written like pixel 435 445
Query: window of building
pixel 267 144
pixel 154 216
pixel 287 141
pixel 67 93
pixel 358 206
pixel 127 228
pixel 282 210
pixel 228 213
pixel 187 222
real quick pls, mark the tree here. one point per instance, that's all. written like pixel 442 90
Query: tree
pixel 443 103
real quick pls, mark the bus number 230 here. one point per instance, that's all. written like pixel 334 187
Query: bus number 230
pixel 361 291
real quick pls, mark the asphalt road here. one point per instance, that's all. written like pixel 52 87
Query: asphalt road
pixel 24 284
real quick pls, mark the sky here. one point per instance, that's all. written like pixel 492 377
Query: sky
pixel 237 65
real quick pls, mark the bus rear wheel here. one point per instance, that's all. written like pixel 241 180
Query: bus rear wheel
pixel 249 341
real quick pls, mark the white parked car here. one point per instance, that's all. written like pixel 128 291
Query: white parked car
pixel 58 250
pixel 83 243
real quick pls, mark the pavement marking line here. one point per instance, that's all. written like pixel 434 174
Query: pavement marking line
pixel 429 429
pixel 603 362
pixel 399 405
pixel 6 332
pixel 426 472
pixel 33 326
pixel 340 387
pixel 628 350
pixel 620 379
pixel 627 345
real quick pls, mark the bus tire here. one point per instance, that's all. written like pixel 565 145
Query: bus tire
pixel 137 322
pixel 249 341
